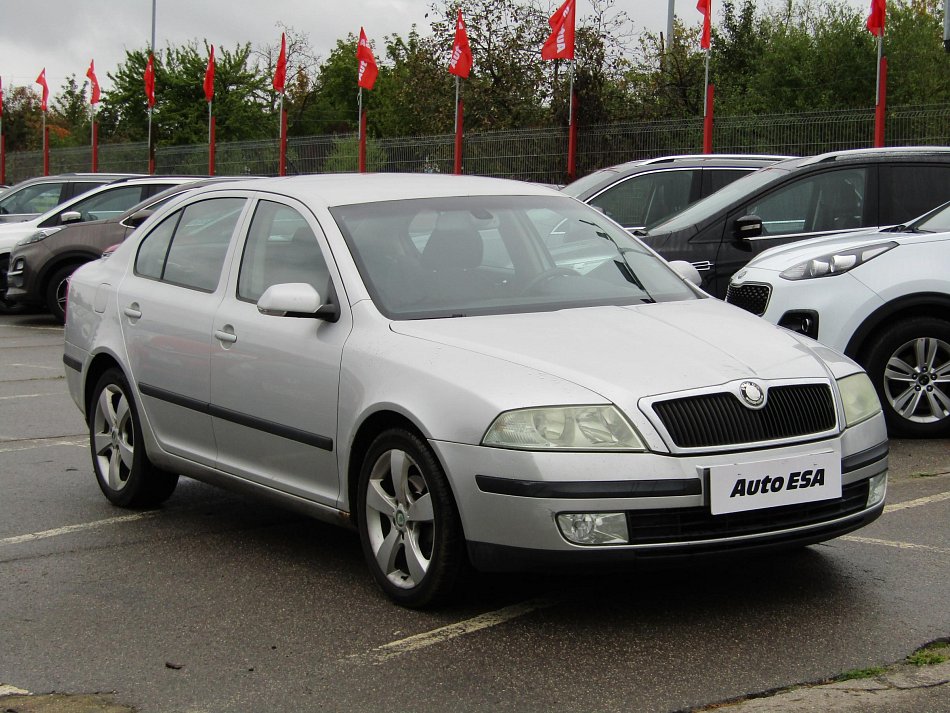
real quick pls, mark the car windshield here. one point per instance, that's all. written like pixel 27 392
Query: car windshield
pixel 460 256
pixel 937 222
pixel 723 198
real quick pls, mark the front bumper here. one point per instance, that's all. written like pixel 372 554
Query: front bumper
pixel 509 501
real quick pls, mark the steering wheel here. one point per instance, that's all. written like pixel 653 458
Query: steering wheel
pixel 543 277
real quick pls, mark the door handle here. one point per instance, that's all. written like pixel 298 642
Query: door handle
pixel 227 337
pixel 133 311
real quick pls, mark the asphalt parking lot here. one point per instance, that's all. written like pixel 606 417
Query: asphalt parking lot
pixel 217 602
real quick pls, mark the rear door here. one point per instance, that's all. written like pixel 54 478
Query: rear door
pixel 167 305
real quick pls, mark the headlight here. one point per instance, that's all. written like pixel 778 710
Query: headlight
pixel 836 263
pixel 859 398
pixel 571 428
pixel 40 234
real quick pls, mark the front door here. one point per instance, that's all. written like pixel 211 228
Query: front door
pixel 275 379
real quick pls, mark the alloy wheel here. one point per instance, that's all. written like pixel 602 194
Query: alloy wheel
pixel 917 380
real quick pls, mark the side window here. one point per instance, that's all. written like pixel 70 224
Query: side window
pixel 189 247
pixel 33 199
pixel 109 203
pixel 648 198
pixel 281 247
pixel 153 249
pixel 909 191
pixel 833 200
pixel 716 178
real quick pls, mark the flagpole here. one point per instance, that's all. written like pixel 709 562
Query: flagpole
pixel 706 87
pixel 456 103
pixel 151 159
pixel 880 53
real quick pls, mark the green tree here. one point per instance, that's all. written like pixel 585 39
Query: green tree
pixel 22 119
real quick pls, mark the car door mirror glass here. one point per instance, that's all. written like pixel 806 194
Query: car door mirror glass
pixel 748 226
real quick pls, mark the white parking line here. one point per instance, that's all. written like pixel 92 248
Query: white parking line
pixel 43 443
pixel 38 366
pixel 918 502
pixel 6 690
pixel 16 540
pixel 26 396
pixel 452 631
pixel 898 545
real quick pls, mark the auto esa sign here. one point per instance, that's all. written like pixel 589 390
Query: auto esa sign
pixel 772 483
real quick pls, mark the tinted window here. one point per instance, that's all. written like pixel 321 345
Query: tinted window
pixel 37 198
pixel 199 236
pixel 109 203
pixel 281 247
pixel 647 198
pixel 909 191
pixel 716 178
pixel 833 200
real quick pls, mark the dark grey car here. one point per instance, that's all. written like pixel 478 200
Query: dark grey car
pixel 639 194
pixel 802 198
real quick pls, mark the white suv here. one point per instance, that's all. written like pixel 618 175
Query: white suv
pixel 882 298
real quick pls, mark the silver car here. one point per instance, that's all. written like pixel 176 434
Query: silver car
pixel 460 368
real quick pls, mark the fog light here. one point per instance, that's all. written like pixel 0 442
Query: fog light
pixel 877 488
pixel 594 528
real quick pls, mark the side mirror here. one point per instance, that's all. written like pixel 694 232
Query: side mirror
pixel 70 216
pixel 748 226
pixel 296 299
pixel 687 271
pixel 138 217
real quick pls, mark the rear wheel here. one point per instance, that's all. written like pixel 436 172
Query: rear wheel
pixel 125 474
pixel 57 290
pixel 910 367
pixel 409 526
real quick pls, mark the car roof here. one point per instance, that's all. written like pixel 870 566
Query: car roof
pixel 338 189
pixel 76 177
pixel 888 153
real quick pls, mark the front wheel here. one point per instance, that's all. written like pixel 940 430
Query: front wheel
pixel 409 526
pixel 57 291
pixel 125 474
pixel 910 367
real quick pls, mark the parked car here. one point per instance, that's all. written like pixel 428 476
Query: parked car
pixel 105 201
pixel 401 353
pixel 881 298
pixel 34 196
pixel 640 194
pixel 41 264
pixel 802 198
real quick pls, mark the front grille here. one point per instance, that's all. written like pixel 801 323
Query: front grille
pixel 721 419
pixel 672 525
pixel 751 297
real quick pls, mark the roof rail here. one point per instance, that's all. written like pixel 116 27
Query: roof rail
pixel 739 156
pixel 886 150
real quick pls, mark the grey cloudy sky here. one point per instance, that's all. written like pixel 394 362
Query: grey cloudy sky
pixel 63 35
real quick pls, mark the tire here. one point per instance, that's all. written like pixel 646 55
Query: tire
pixel 909 364
pixel 408 522
pixel 125 474
pixel 57 290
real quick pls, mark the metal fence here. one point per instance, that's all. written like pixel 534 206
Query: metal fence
pixel 528 154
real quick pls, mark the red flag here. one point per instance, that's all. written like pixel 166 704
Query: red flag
pixel 875 23
pixel 94 92
pixel 705 7
pixel 41 80
pixel 367 63
pixel 461 62
pixel 150 81
pixel 560 44
pixel 209 77
pixel 280 72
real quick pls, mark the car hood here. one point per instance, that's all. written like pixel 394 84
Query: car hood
pixel 784 256
pixel 625 353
